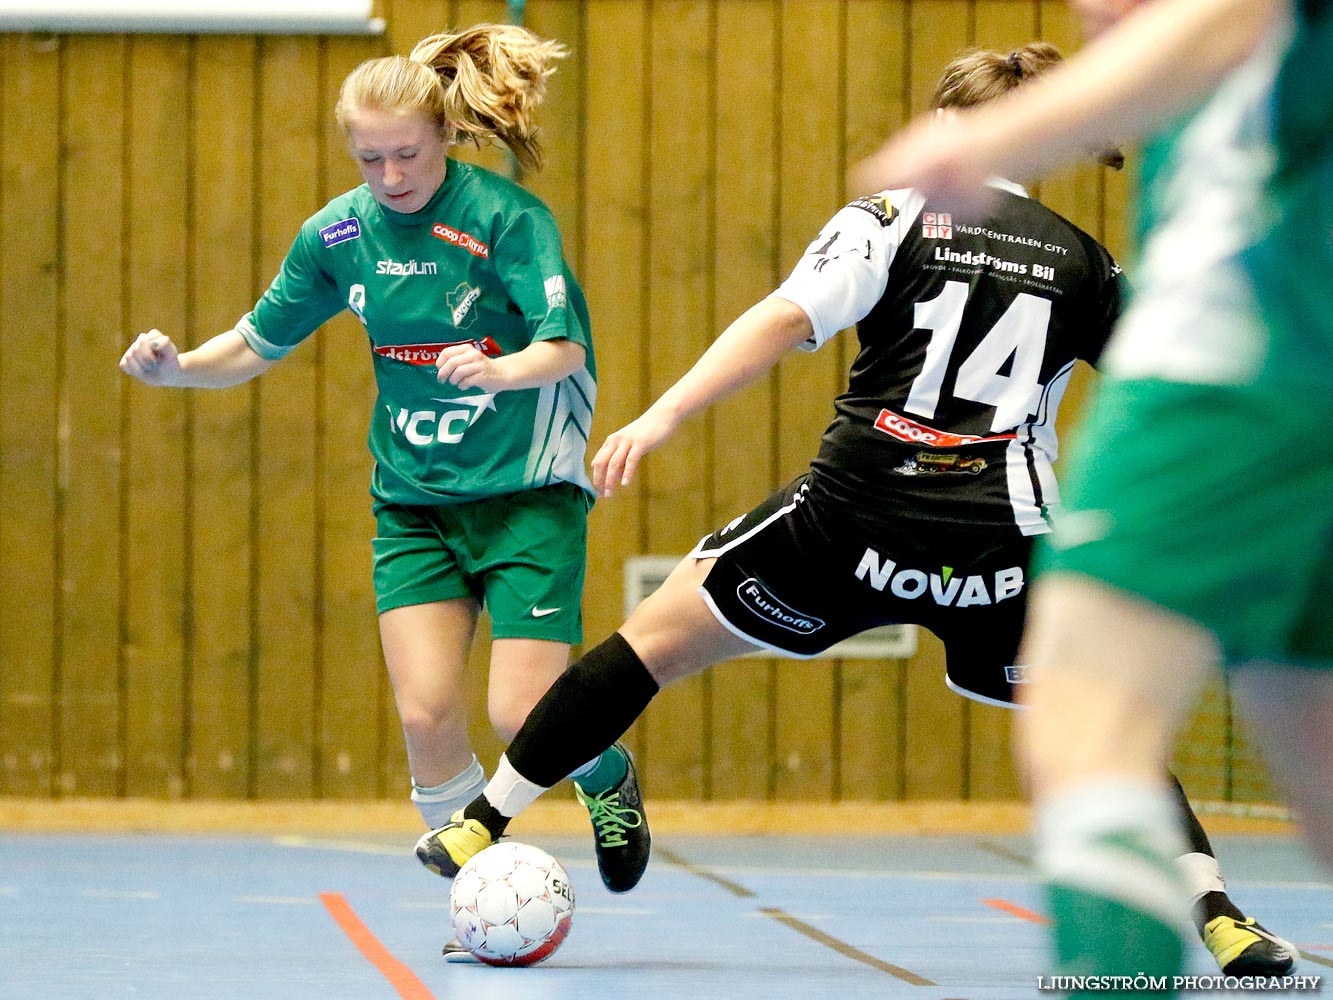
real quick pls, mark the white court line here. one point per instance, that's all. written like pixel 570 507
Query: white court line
pixel 369 847
pixel 276 900
pixel 617 911
pixel 613 911
pixel 364 847
pixel 120 894
pixel 944 919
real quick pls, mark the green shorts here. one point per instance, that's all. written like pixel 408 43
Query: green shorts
pixel 522 556
pixel 1215 502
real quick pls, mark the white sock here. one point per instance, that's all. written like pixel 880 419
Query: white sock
pixel 1086 839
pixel 439 803
pixel 1202 875
pixel 509 791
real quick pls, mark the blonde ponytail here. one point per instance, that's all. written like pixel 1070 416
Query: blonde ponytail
pixel 482 83
pixel 494 76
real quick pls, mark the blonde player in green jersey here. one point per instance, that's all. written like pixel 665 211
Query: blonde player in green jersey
pixel 1161 569
pixel 479 337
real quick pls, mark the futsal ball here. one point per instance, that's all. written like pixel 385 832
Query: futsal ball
pixel 512 904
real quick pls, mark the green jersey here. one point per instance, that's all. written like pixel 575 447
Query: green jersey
pixel 1243 186
pixel 1291 263
pixel 481 263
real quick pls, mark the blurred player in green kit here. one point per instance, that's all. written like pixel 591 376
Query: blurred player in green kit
pixel 1163 567
pixel 480 340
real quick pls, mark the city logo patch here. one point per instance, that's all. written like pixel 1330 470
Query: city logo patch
pixel 555 291
pixel 428 354
pixel 760 600
pixel 1016 675
pixel 467 241
pixel 341 232
pixel 879 207
pixel 937 225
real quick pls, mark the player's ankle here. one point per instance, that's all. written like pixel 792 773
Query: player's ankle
pixel 487 815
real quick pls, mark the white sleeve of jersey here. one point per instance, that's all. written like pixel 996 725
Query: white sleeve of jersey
pixel 845 270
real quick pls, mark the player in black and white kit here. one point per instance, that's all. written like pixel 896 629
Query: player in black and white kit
pixel 936 472
pixel 929 487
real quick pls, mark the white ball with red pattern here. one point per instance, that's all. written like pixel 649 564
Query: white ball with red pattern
pixel 512 904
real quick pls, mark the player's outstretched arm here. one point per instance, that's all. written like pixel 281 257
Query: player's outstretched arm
pixel 1151 65
pixel 746 349
pixel 223 361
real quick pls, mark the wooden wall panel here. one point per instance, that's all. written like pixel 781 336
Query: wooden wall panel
pixel 679 323
pixel 224 275
pixel 288 520
pixel 93 229
pixel 191 571
pixel 614 278
pixel 810 182
pixel 745 264
pixel 155 446
pixel 30 361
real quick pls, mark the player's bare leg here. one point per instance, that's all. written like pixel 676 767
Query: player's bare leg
pixel 671 635
pixel 426 649
pixel 522 670
pixel 1112 679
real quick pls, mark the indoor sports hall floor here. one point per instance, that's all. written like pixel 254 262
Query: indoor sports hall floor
pixel 218 916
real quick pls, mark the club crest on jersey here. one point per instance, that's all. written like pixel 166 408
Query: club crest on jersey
pixel 341 232
pixel 878 206
pixel 1016 674
pixel 761 601
pixel 428 354
pixel 458 238
pixel 460 302
pixel 937 225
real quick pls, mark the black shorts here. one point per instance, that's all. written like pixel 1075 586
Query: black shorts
pixel 798 574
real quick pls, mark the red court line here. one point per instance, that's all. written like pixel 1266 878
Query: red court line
pixel 1013 909
pixel 400 977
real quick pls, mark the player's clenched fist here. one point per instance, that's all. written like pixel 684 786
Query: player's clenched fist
pixel 152 358
pixel 468 368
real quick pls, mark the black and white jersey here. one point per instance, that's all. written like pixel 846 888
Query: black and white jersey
pixel 968 335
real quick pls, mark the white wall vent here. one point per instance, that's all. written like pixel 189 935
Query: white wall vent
pixel 644 574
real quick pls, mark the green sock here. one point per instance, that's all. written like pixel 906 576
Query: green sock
pixel 604 773
pixel 1098 936
pixel 1116 893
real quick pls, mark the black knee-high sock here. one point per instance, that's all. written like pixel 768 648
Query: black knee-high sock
pixel 1213 904
pixel 584 712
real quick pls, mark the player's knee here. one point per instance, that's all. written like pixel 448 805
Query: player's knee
pixel 508 712
pixel 426 723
